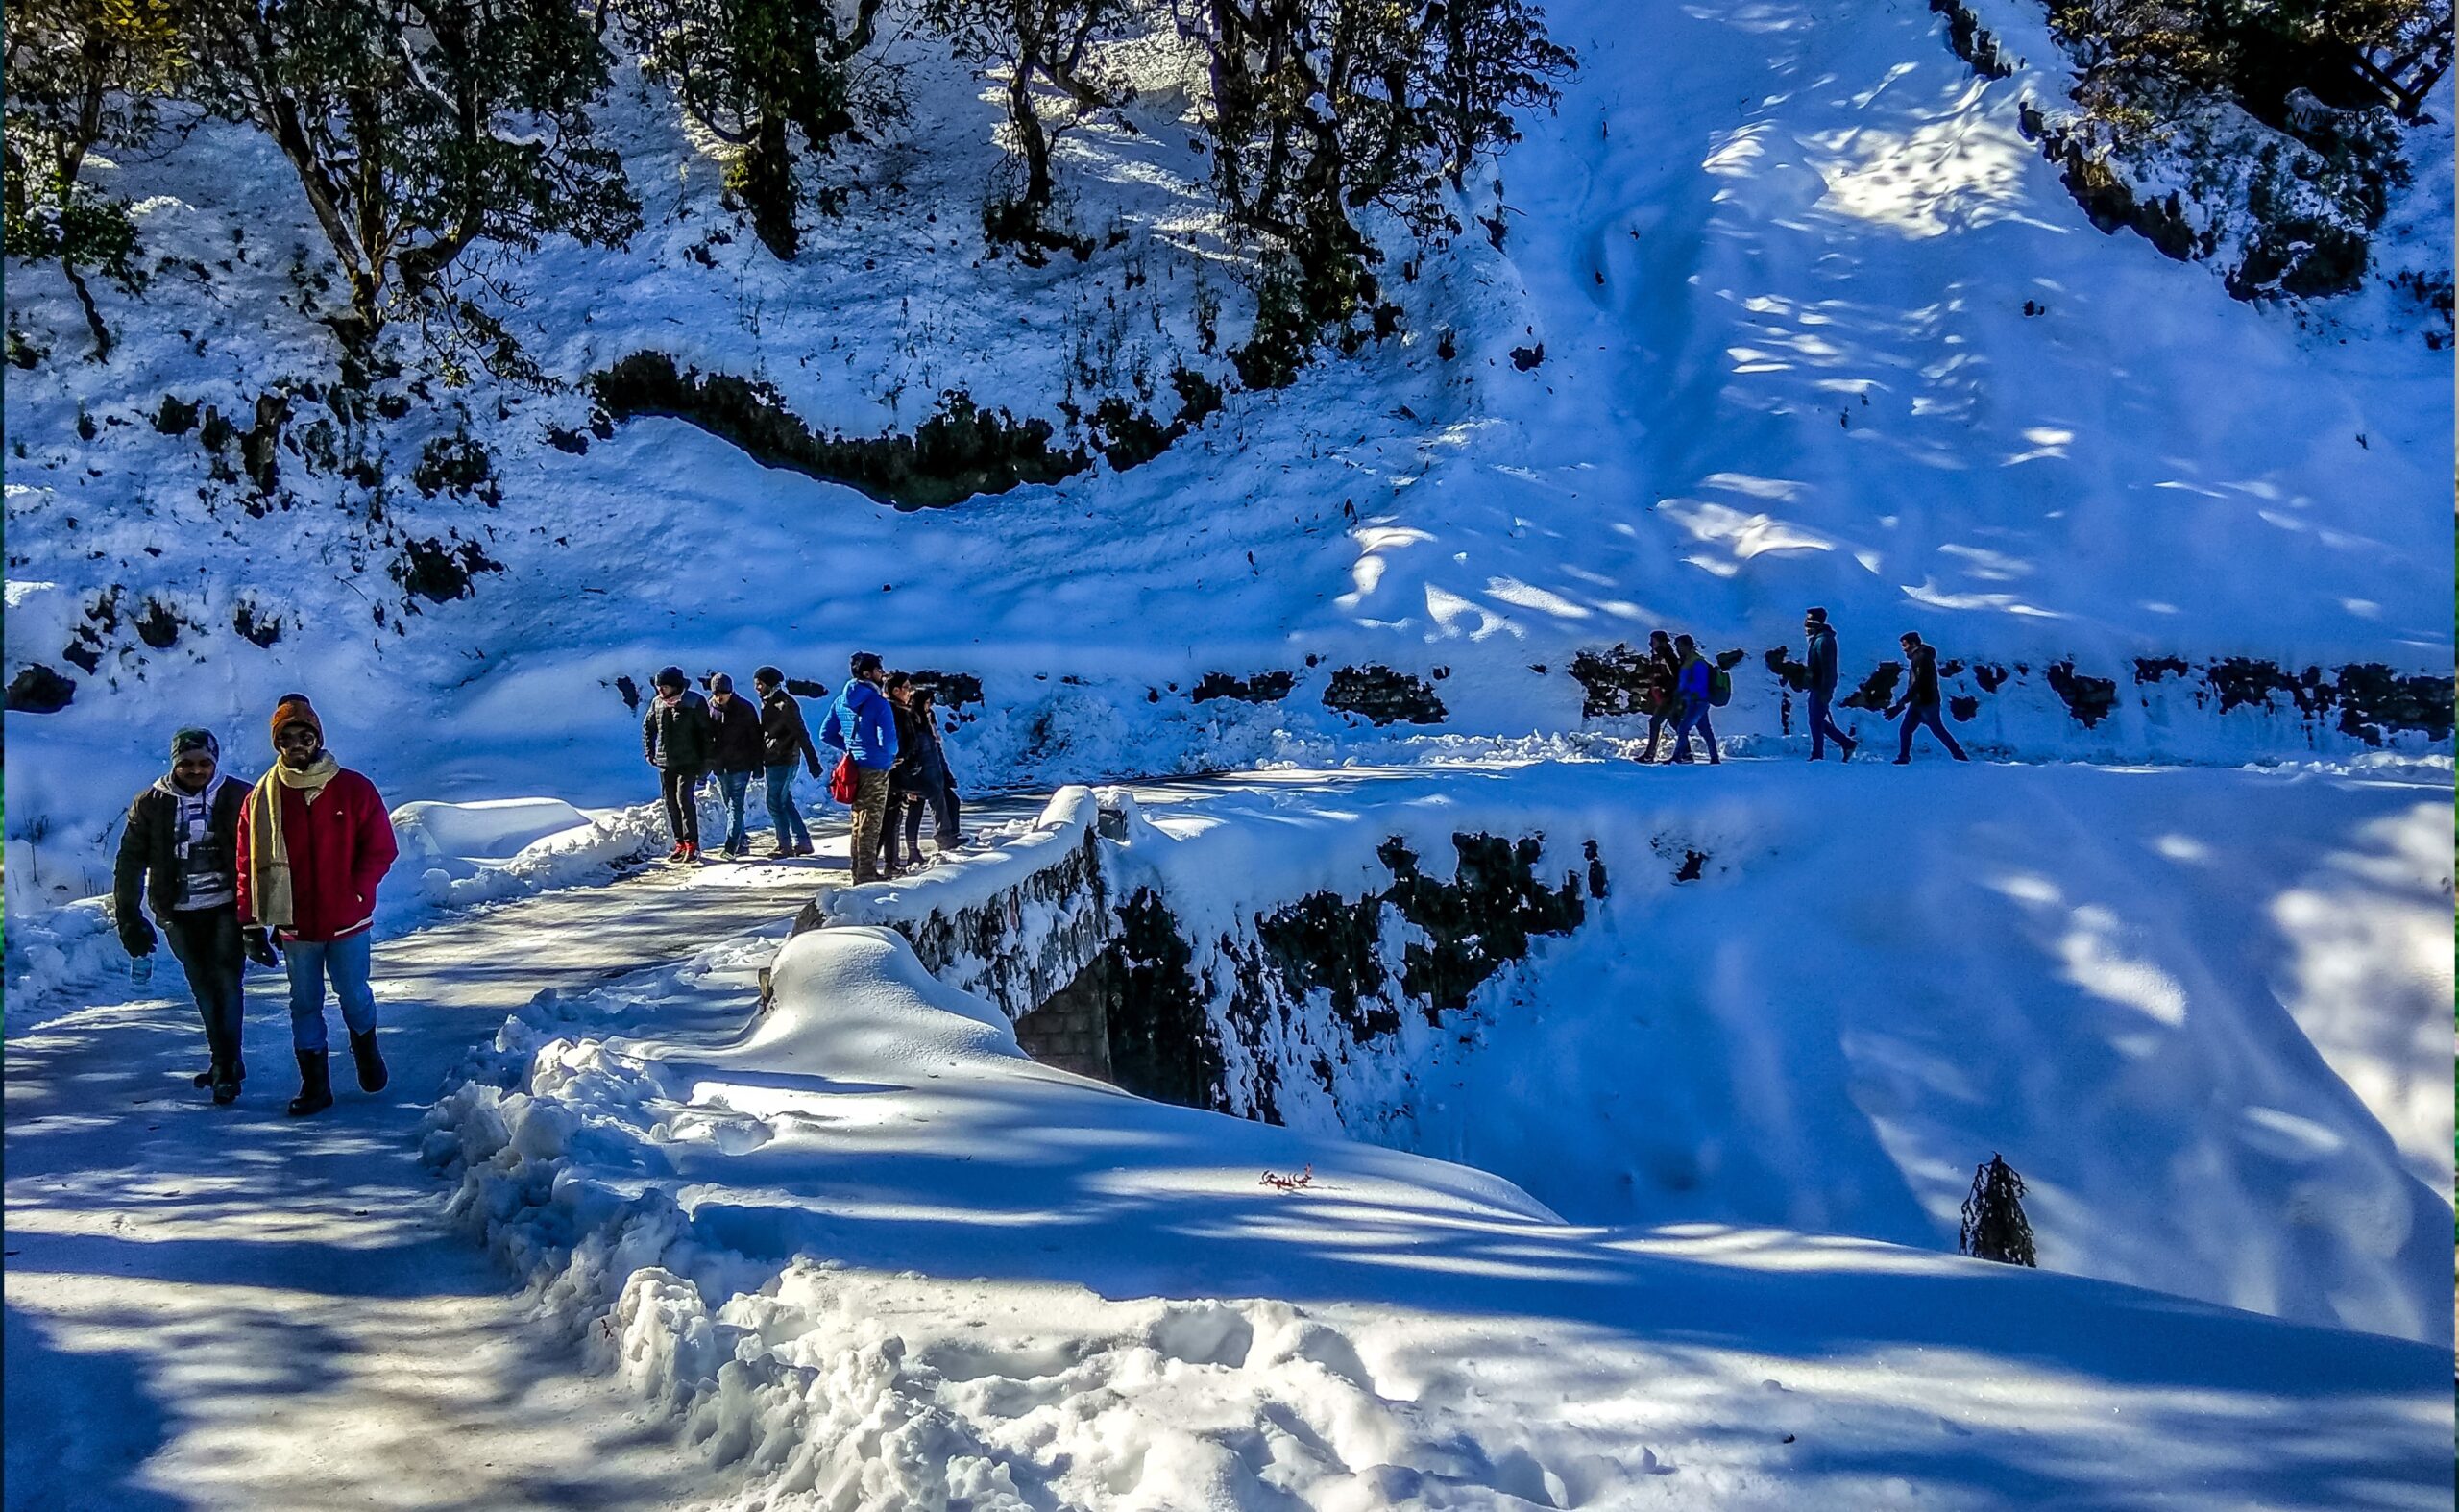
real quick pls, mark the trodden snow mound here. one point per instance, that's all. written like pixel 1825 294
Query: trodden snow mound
pixel 861 1246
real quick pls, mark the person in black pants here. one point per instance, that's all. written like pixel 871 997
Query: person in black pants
pixel 680 743
pixel 180 849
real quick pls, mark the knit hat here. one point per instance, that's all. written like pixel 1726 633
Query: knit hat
pixel 721 683
pixel 670 677
pixel 293 708
pixel 192 737
pixel 769 677
pixel 1819 615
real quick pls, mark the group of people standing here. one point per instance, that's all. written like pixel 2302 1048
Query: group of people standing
pixel 282 873
pixel 890 769
pixel 1678 686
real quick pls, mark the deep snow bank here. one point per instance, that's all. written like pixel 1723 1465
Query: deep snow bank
pixel 1818 998
pixel 860 1244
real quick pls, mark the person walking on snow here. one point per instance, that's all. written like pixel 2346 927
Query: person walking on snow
pixel 862 725
pixel 1921 699
pixel 181 849
pixel 1660 674
pixel 1697 685
pixel 735 741
pixel 314 840
pixel 784 741
pixel 1820 654
pixel 675 736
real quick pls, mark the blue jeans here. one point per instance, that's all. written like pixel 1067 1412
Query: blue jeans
pixel 1917 717
pixel 346 962
pixel 1822 725
pixel 734 787
pixel 1695 717
pixel 783 815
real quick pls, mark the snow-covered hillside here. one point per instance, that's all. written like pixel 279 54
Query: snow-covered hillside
pixel 1784 311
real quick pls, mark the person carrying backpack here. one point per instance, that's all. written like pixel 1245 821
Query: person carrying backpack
pixel 784 741
pixel 1921 699
pixel 1660 674
pixel 678 741
pixel 862 724
pixel 736 751
pixel 314 840
pixel 180 850
pixel 1697 685
pixel 1820 654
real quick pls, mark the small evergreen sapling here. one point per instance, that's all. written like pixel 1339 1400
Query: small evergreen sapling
pixel 1994 1226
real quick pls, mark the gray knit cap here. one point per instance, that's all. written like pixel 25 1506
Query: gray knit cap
pixel 193 738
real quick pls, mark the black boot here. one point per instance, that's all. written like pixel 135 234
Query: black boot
pixel 226 1083
pixel 372 1075
pixel 315 1084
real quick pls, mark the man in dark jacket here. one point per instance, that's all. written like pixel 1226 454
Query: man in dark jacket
pixel 1921 698
pixel 676 737
pixel 181 849
pixel 314 840
pixel 1660 670
pixel 784 741
pixel 918 780
pixel 862 725
pixel 735 741
pixel 1820 654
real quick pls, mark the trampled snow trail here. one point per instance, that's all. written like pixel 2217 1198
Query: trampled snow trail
pixel 213 1307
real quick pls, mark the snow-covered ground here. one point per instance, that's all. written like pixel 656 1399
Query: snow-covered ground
pixel 1778 259
pixel 868 1255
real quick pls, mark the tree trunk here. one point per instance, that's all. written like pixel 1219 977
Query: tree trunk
pixel 93 316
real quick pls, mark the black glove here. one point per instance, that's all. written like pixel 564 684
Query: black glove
pixel 136 938
pixel 261 946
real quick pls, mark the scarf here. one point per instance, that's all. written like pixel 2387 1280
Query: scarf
pixel 269 895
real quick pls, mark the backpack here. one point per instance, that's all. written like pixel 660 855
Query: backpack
pixel 840 782
pixel 1720 687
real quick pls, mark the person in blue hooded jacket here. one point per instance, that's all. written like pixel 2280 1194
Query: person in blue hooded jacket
pixel 1697 685
pixel 863 724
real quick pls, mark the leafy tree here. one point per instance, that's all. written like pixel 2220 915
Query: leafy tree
pixel 2400 47
pixel 752 70
pixel 82 74
pixel 420 131
pixel 1045 41
pixel 1994 1226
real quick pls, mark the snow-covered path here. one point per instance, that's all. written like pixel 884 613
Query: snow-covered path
pixel 216 1307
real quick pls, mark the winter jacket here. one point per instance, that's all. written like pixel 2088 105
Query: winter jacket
pixel 1660 683
pixel 784 738
pixel 919 767
pixel 148 851
pixel 1822 660
pixel 1698 679
pixel 1924 691
pixel 734 735
pixel 863 724
pixel 340 847
pixel 677 737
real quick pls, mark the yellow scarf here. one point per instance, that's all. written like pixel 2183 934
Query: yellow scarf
pixel 269 895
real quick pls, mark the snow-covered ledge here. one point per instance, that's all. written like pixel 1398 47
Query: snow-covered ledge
pixel 1015 925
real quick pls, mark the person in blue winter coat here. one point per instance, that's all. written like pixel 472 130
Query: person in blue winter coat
pixel 1696 690
pixel 1820 654
pixel 863 724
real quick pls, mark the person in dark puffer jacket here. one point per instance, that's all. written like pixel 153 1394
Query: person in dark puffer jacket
pixel 1921 699
pixel 738 751
pixel 785 740
pixel 180 850
pixel 676 739
pixel 314 842
pixel 1819 656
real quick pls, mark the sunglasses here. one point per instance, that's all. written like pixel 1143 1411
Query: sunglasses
pixel 297 735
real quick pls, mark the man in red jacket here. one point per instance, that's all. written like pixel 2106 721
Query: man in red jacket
pixel 314 840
